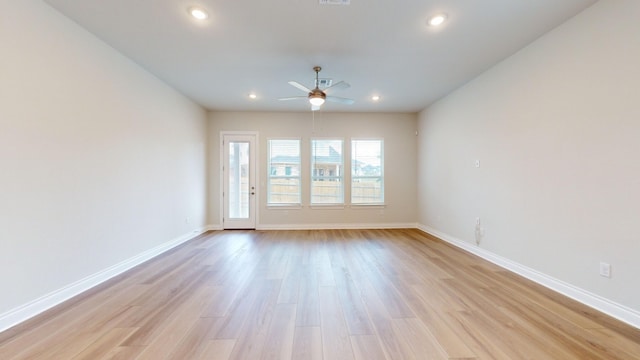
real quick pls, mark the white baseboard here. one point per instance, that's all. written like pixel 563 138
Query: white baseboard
pixel 613 309
pixel 22 313
pixel 336 226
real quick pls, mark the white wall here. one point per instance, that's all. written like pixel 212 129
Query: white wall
pixel 556 128
pixel 397 130
pixel 99 160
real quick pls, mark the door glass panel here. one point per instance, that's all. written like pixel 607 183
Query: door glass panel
pixel 238 180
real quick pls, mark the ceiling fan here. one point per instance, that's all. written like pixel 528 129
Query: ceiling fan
pixel 316 96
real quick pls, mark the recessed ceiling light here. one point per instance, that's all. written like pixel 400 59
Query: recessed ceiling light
pixel 198 13
pixel 253 96
pixel 375 98
pixel 437 20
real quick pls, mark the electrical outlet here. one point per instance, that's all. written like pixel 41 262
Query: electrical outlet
pixel 605 269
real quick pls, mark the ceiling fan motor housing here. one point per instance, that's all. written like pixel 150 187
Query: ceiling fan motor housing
pixel 317 93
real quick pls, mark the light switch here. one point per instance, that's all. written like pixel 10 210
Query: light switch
pixel 605 269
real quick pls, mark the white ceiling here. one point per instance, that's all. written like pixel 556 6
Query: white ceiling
pixel 380 47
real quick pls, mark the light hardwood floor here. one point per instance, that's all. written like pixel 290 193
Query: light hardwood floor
pixel 327 294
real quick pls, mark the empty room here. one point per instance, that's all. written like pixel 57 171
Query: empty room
pixel 319 179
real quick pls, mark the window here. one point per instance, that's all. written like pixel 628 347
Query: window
pixel 327 185
pixel 367 172
pixel 284 172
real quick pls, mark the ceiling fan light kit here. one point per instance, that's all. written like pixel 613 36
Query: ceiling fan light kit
pixel 198 13
pixel 437 20
pixel 316 100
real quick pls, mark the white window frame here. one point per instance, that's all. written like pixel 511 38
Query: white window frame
pixel 340 177
pixel 270 177
pixel 355 177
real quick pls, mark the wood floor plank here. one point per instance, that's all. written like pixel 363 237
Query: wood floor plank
pixel 308 310
pixel 393 301
pixel 60 350
pixel 336 343
pixel 323 259
pixel 291 281
pixel 151 326
pixel 382 321
pixel 619 345
pixel 279 341
pixel 166 336
pixel 253 335
pixel 453 345
pixel 351 303
pixel 235 319
pixel 320 294
pixel 218 350
pixel 228 294
pixel 122 353
pixel 193 344
pixel 484 316
pixel 112 339
pixel 307 343
pixel 367 347
pixel 539 334
pixel 418 337
pixel 81 323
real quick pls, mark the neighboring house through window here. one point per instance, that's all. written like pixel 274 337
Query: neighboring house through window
pixel 327 175
pixel 284 181
pixel 367 172
pixel 283 186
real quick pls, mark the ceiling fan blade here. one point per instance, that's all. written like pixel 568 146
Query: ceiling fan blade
pixel 336 86
pixel 293 98
pixel 299 86
pixel 340 100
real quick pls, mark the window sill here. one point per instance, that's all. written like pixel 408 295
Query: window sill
pixel 284 206
pixel 328 207
pixel 325 207
pixel 368 206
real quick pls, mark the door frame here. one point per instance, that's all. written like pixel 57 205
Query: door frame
pixel 256 172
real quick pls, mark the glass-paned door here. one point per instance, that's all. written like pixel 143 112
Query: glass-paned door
pixel 239 182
